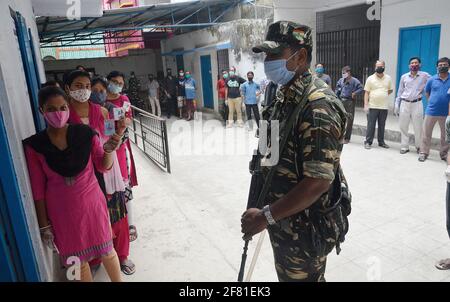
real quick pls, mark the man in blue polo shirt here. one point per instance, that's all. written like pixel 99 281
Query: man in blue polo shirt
pixel 250 92
pixel 189 87
pixel 438 94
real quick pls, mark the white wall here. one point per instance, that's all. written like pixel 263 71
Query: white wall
pixel 242 34
pixel 16 110
pixel 396 15
pixel 192 60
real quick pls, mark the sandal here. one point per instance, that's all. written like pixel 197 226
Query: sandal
pixel 423 157
pixel 94 269
pixel 133 233
pixel 128 267
pixel 443 264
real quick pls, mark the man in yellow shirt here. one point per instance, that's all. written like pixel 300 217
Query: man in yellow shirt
pixel 378 88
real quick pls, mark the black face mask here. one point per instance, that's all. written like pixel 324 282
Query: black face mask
pixel 379 69
pixel 151 79
pixel 250 79
pixel 443 69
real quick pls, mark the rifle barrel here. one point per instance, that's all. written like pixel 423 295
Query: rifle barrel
pixel 243 260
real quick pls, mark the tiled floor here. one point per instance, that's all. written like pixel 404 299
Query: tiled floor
pixel 189 221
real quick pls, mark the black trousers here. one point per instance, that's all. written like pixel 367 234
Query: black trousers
pixel 255 109
pixel 374 116
pixel 349 105
pixel 223 108
pixel 172 106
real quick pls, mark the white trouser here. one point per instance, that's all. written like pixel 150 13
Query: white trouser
pixel 411 112
pixel 155 101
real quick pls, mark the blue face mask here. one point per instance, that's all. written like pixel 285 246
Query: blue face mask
pixel 114 89
pixel 98 97
pixel 277 72
pixel 320 70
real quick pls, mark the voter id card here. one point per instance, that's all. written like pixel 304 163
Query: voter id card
pixel 118 113
pixel 110 127
pixel 126 106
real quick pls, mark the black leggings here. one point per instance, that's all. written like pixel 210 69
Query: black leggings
pixel 248 111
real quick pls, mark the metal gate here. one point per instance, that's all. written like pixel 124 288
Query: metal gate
pixel 149 133
pixel 359 48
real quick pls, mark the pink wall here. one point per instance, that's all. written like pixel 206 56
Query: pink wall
pixel 121 49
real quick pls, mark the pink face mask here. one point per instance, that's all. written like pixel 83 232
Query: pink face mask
pixel 57 119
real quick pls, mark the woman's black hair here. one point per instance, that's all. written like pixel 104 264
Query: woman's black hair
pixel 102 81
pixel 75 74
pixel 114 74
pixel 48 92
pixel 50 83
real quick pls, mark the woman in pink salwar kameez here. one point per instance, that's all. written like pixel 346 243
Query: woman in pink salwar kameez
pixel 70 205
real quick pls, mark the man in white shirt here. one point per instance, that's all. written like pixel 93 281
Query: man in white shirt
pixel 378 88
pixel 409 103
pixel 153 93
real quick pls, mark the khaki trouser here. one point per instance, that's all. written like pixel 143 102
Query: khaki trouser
pixel 154 102
pixel 428 125
pixel 235 105
pixel 411 112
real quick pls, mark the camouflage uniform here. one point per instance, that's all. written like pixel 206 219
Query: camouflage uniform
pixel 134 86
pixel 301 242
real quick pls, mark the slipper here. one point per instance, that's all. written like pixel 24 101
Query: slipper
pixel 133 233
pixel 443 265
pixel 94 269
pixel 128 267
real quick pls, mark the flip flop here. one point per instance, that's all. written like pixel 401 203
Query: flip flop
pixel 128 267
pixel 443 265
pixel 94 269
pixel 133 233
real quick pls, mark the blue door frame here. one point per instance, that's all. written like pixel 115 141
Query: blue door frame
pixel 16 249
pixel 17 255
pixel 418 41
pixel 29 66
pixel 7 272
pixel 208 96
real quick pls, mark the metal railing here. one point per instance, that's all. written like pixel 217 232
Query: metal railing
pixel 149 133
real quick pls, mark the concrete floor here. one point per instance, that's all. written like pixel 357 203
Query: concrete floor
pixel 392 123
pixel 189 221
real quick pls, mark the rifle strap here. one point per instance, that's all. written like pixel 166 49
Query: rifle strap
pixel 287 130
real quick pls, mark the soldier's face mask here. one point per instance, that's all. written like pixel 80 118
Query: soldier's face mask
pixel 277 72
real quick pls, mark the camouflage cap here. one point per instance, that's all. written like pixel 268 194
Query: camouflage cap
pixel 283 34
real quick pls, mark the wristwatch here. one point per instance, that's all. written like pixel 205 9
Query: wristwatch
pixel 268 214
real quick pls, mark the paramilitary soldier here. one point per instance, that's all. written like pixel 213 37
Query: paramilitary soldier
pixel 305 197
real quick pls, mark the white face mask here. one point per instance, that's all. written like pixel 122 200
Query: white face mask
pixel 80 95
